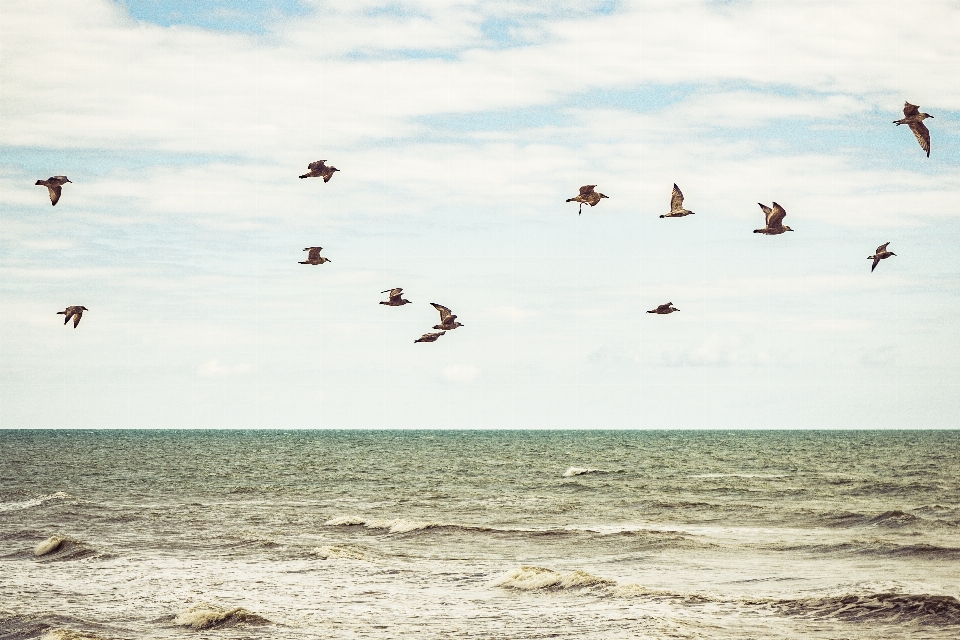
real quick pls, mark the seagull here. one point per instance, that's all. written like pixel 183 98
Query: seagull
pixel 446 318
pixel 395 298
pixel 914 119
pixel 587 196
pixel 775 217
pixel 318 169
pixel 676 204
pixel 429 337
pixel 880 255
pixel 53 185
pixel 664 308
pixel 73 312
pixel 314 256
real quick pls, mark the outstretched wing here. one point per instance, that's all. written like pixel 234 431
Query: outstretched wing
pixel 776 216
pixel 314 166
pixel 587 189
pixel 76 318
pixel 922 134
pixel 676 200
pixel 327 176
pixel 444 312
pixel 54 190
pixel 910 109
pixel 882 247
pixel 314 253
pixel 766 213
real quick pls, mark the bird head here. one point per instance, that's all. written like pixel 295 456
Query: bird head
pixel 786 228
pixel 84 308
pixel 66 179
pixel 603 196
pixel 924 116
pixel 892 253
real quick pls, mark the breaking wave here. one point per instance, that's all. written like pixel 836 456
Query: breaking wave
pixel 396 525
pixel 208 616
pixel 67 634
pixel 580 471
pixel 33 502
pixel 61 548
pixel 891 607
pixel 529 578
pixel 343 551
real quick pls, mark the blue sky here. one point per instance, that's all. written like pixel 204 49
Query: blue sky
pixel 460 129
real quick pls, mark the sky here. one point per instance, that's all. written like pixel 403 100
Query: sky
pixel 460 129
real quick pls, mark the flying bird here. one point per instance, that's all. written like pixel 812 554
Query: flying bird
pixel 314 256
pixel 446 318
pixel 664 308
pixel 319 170
pixel 429 337
pixel 73 312
pixel 881 254
pixel 587 196
pixel 914 119
pixel 676 205
pixel 54 184
pixel 396 300
pixel 774 218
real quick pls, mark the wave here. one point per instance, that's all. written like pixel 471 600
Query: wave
pixel 343 551
pixel 61 548
pixel 48 626
pixel 527 578
pixel 67 634
pixel 208 616
pixel 891 607
pixel 875 548
pixel 33 502
pixel 396 525
pixel 581 471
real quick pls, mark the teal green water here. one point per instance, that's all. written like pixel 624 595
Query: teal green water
pixel 481 534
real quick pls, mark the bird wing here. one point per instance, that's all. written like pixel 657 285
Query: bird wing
pixel 882 247
pixel 314 253
pixel 76 318
pixel 676 200
pixel 327 176
pixel 923 135
pixel 54 190
pixel 876 261
pixel 776 216
pixel 910 109
pixel 766 212
pixel 663 307
pixel 313 166
pixel 587 189
pixel 444 312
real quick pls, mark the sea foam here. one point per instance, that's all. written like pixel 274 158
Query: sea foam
pixel 66 634
pixel 579 471
pixel 33 502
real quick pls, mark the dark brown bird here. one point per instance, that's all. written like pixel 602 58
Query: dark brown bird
pixel 314 256
pixel 881 254
pixel 73 312
pixel 587 196
pixel 319 170
pixel 54 184
pixel 429 337
pixel 676 205
pixel 396 299
pixel 774 219
pixel 914 119
pixel 664 308
pixel 446 318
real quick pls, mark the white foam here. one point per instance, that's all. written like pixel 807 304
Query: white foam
pixel 528 578
pixel 396 525
pixel 345 521
pixel 66 634
pixel 33 502
pixel 208 616
pixel 579 471
pixel 49 545
pixel 342 551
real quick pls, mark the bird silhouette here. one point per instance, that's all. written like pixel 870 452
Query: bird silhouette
pixel 395 298
pixel 446 318
pixel 676 205
pixel 774 218
pixel 54 185
pixel 914 119
pixel 587 196
pixel 881 254
pixel 429 337
pixel 73 312
pixel 664 308
pixel 314 256
pixel 319 170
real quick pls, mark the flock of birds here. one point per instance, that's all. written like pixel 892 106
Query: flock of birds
pixel 773 225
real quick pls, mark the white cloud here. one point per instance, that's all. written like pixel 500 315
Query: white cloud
pixel 216 369
pixel 460 373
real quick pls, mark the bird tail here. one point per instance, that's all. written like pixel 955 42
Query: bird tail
pixel 568 199
pixel 61 313
pixel 306 175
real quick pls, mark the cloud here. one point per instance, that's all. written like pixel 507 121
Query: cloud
pixel 460 373
pixel 216 369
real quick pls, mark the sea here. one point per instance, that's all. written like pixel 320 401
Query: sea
pixel 479 534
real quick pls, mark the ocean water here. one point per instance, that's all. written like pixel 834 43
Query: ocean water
pixel 496 534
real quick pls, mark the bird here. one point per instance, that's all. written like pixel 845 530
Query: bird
pixel 774 217
pixel 75 312
pixel 54 185
pixel 446 318
pixel 429 337
pixel 881 254
pixel 676 204
pixel 395 298
pixel 914 119
pixel 664 308
pixel 587 196
pixel 314 256
pixel 318 169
